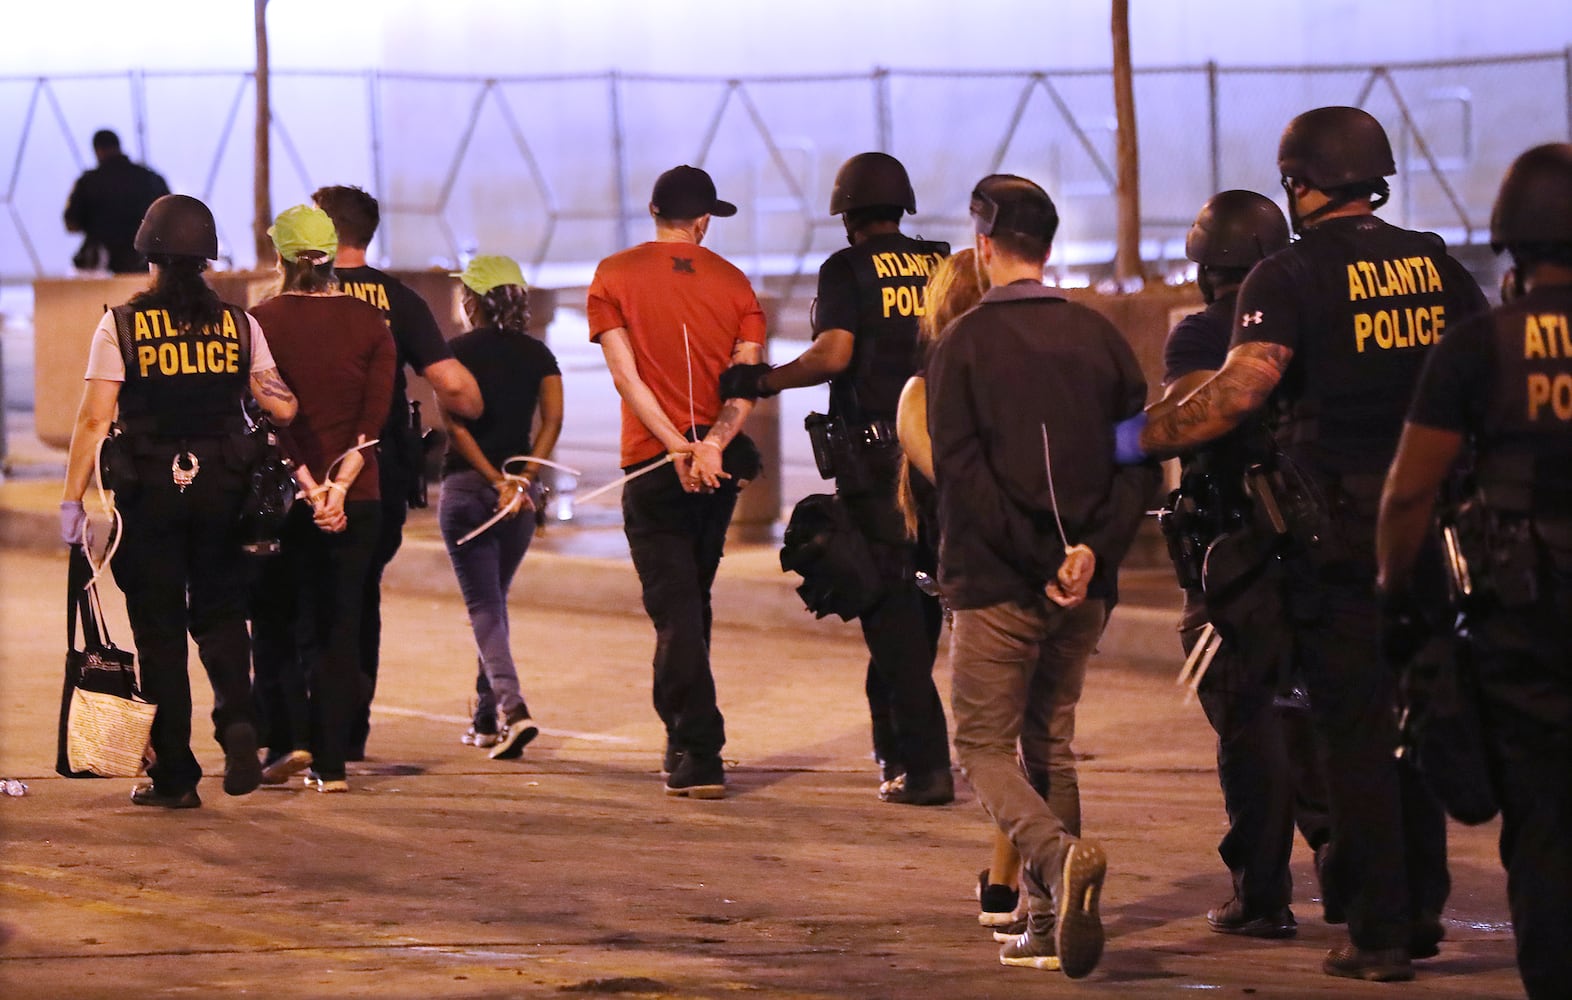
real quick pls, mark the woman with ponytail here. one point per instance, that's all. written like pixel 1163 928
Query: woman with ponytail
pixel 338 354
pixel 519 379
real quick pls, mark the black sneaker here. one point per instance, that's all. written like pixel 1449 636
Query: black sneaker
pixel 517 731
pixel 1030 951
pixel 671 758
pixel 698 776
pixel 935 788
pixel 996 903
pixel 149 795
pixel 1374 965
pixel 1233 918
pixel 242 769
pixel 1078 938
pixel 1425 934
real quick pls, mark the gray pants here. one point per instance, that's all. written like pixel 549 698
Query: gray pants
pixel 1019 670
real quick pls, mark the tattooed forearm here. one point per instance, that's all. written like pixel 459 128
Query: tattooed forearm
pixel 269 384
pixel 727 424
pixel 1248 377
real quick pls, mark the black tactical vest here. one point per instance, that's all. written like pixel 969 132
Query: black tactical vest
pixel 891 273
pixel 1374 299
pixel 182 383
pixel 1525 444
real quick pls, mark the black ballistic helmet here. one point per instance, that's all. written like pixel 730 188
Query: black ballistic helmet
pixel 1535 202
pixel 868 180
pixel 177 225
pixel 1015 204
pixel 1334 147
pixel 1236 229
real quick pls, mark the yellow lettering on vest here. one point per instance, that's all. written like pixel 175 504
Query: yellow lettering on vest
pixel 1356 288
pixel 140 327
pixel 1432 277
pixel 1398 340
pixel 168 359
pixel 146 357
pixel 880 268
pixel 1362 325
pixel 214 349
pixel 1538 393
pixel 1394 281
pixel 1385 326
pixel 1424 332
pixel 229 326
pixel 1437 321
pixel 232 357
pixel 167 325
pixel 1533 339
pixel 887 297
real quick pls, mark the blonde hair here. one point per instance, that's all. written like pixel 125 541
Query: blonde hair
pixel 955 285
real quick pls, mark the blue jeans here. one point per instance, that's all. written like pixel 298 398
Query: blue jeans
pixel 485 568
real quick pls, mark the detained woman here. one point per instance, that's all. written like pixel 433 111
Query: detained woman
pixel 519 379
pixel 338 354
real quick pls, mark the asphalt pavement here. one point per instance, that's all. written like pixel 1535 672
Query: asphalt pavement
pixel 569 872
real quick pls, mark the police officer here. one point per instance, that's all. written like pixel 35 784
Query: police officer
pixel 1265 762
pixel 870 296
pixel 1503 384
pixel 1332 331
pixel 177 361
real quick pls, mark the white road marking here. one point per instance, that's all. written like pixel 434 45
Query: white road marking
pixel 567 734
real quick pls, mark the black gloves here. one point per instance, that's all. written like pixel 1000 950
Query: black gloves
pixel 745 382
pixel 1404 628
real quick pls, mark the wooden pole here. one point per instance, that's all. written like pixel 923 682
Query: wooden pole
pixel 1127 256
pixel 262 202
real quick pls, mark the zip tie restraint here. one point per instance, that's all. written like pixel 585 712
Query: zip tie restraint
pixel 327 474
pixel 518 498
pixel 116 526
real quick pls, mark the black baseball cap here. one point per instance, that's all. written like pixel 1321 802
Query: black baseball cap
pixel 686 193
pixel 1005 201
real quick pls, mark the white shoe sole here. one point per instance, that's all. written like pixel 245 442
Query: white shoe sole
pixel 1047 963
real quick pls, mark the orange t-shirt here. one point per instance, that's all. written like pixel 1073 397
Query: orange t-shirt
pixel 654 291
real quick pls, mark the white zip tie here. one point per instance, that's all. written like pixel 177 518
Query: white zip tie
pixel 116 525
pixel 518 498
pixel 1053 498
pixel 327 474
pixel 687 355
pixel 599 490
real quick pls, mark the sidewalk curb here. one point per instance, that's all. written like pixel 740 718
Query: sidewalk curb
pixel 1141 636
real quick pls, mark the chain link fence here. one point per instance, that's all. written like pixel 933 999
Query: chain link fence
pixel 556 170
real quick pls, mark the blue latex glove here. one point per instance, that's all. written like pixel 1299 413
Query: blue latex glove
pixel 1127 440
pixel 73 519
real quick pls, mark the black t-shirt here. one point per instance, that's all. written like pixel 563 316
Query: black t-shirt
pixel 509 368
pixel 1359 302
pixel 1505 381
pixel 417 338
pixel 1199 342
pixel 876 290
